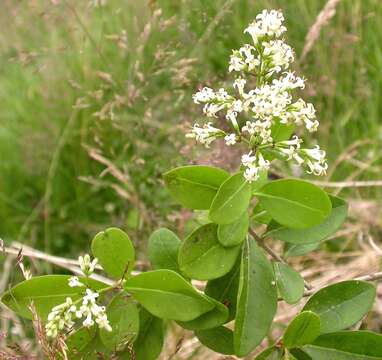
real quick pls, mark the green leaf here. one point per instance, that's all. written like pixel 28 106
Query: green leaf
pixel 45 292
pixel 195 186
pixel 299 249
pixel 123 316
pixel 281 132
pixel 295 203
pixel 149 343
pixel 163 250
pixel 271 353
pixel 234 233
pixel 114 251
pixel 341 305
pixel 299 354
pixel 219 339
pixel 214 318
pixel 79 340
pixel 202 257
pixel 92 350
pixel 289 282
pixel 260 215
pixel 165 294
pixel 346 345
pixel 231 200
pixel 316 233
pixel 257 299
pixel 260 182
pixel 225 289
pixel 303 329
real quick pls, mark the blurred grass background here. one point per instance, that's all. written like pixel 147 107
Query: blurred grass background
pixel 95 101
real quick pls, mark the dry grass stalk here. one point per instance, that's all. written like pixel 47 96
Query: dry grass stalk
pixel 322 19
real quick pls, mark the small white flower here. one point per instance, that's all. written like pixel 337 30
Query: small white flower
pixel 204 95
pixel 246 58
pixel 268 23
pixel 262 163
pixel 316 168
pixel 236 62
pixel 232 118
pixel 87 266
pixel 251 173
pixel 248 159
pixel 74 282
pixel 205 135
pixel 88 322
pixel 279 55
pixel 103 322
pixel 230 139
pixel 60 317
pixel 239 84
pixel 254 165
pixel 315 154
pixel 289 81
pixel 90 297
pixel 302 113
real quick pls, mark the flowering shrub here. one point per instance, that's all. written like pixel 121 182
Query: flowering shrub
pixel 123 316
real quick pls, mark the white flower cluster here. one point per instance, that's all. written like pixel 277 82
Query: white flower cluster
pixel 270 102
pixel 60 317
pixel 92 312
pixel 267 24
pixel 87 265
pixel 63 316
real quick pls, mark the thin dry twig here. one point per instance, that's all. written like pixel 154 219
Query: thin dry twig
pixel 69 264
pixel 272 253
pixel 343 184
pixel 370 277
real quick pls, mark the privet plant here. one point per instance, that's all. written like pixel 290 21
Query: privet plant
pixel 232 310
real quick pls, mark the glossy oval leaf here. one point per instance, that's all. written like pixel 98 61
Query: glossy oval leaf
pixel 212 319
pixel 202 257
pixel 225 289
pixel 290 284
pixel 260 182
pixel 167 295
pixel 291 250
pixel 257 299
pixel 342 305
pixel 92 350
pixel 281 132
pixel 231 200
pixel 271 353
pixel 219 339
pixel 163 250
pixel 149 343
pixel 79 340
pixel 195 186
pixel 296 204
pixel 123 317
pixel 114 251
pixel 316 233
pixel 346 345
pixel 303 329
pixel 234 233
pixel 45 292
pixel 260 215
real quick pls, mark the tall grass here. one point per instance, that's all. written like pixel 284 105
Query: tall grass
pixel 94 103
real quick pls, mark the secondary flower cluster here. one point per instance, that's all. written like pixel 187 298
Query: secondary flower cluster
pixel 63 316
pixel 252 114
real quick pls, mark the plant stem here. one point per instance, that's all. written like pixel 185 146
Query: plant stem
pixel 274 255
